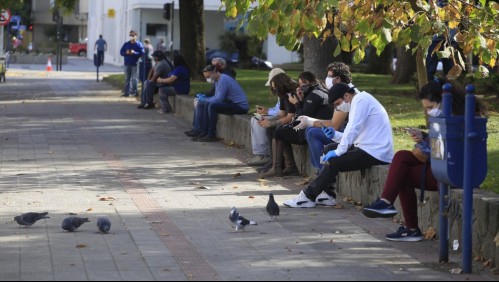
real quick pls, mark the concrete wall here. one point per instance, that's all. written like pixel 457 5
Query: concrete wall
pixel 363 187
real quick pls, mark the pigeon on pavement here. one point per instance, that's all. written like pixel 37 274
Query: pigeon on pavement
pixel 72 223
pixel 103 224
pixel 239 220
pixel 28 219
pixel 272 207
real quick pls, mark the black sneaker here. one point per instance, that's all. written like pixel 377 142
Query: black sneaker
pixel 404 234
pixel 192 133
pixel 141 106
pixel 196 138
pixel 208 138
pixel 379 208
pixel 149 106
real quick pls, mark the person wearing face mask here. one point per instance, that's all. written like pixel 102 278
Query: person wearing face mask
pixel 221 65
pixel 131 50
pixel 311 99
pixel 366 141
pixel 316 139
pixel 229 99
pixel 411 169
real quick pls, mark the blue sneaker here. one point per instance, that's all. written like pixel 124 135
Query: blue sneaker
pixel 379 209
pixel 404 234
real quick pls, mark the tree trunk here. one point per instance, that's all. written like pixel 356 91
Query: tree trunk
pixel 383 63
pixel 405 67
pixel 317 55
pixel 191 17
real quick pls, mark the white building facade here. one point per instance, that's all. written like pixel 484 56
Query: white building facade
pixel 115 18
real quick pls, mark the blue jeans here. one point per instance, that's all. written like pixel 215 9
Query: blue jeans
pixel 316 140
pixel 197 120
pixel 211 115
pixel 130 80
pixel 147 96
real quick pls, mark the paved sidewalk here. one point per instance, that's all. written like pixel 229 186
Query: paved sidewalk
pixel 70 145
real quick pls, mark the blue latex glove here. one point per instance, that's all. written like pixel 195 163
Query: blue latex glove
pixel 201 98
pixel 200 95
pixel 328 156
pixel 328 131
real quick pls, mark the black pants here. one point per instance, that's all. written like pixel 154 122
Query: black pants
pixel 354 159
pixel 289 135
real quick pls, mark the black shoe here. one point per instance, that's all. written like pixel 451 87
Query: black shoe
pixel 208 139
pixel 197 138
pixel 192 133
pixel 149 106
pixel 141 106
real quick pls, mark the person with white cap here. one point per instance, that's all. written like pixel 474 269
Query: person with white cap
pixel 259 143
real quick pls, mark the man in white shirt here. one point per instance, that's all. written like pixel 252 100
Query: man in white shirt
pixel 366 141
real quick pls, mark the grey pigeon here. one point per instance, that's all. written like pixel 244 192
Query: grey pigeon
pixel 103 224
pixel 28 219
pixel 272 208
pixel 72 223
pixel 239 220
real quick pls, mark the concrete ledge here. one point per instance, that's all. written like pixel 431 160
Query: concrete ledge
pixel 363 187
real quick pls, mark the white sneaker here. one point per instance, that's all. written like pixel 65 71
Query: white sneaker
pixel 300 202
pixel 325 200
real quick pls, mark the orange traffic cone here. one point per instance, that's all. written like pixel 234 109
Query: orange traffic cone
pixel 49 65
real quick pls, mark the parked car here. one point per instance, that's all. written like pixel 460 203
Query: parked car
pixel 79 49
pixel 233 59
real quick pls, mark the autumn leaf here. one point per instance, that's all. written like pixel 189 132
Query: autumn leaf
pixel 107 199
pixel 79 246
pixel 90 209
pixel 251 197
pixel 430 233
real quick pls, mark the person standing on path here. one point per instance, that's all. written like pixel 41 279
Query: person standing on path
pixel 131 50
pixel 101 47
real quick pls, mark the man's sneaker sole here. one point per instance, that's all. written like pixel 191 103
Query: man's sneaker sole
pixel 372 213
pixel 298 205
pixel 325 202
pixel 406 239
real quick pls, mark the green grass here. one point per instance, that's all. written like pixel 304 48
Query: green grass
pixel 399 100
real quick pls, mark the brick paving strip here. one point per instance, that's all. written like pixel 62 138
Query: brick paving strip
pixel 190 260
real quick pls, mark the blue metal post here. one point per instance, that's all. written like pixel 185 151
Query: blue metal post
pixel 469 134
pixel 443 188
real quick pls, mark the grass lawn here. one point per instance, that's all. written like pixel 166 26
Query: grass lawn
pixel 399 100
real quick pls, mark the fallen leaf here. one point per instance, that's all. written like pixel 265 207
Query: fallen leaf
pixel 79 246
pixel 90 209
pixel 251 197
pixel 107 199
pixel 202 187
pixel 235 187
pixel 347 199
pixel 488 263
pixel 430 233
pixel 237 175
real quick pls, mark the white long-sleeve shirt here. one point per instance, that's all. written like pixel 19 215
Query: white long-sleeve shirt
pixel 368 128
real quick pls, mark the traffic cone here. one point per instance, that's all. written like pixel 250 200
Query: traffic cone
pixel 49 65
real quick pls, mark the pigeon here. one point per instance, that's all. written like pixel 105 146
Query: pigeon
pixel 72 223
pixel 28 219
pixel 103 224
pixel 238 220
pixel 272 207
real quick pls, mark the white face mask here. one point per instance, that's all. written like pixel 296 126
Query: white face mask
pixel 344 107
pixel 329 82
pixel 436 112
pixel 209 80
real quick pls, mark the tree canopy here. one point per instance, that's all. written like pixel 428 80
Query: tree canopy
pixel 357 23
pixel 65 5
